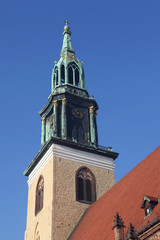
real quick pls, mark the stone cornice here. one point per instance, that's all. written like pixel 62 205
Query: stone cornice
pixel 57 150
pixel 83 148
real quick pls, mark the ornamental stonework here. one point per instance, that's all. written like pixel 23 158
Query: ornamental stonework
pixel 156 236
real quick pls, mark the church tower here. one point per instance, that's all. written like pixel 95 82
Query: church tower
pixel 71 170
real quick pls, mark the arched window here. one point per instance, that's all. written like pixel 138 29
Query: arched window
pixel 70 75
pixel 73 74
pixel 56 76
pixel 62 74
pixel 39 195
pixel 85 186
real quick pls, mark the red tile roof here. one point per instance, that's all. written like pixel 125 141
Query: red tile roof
pixel 126 198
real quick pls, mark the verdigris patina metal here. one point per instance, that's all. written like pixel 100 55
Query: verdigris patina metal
pixel 70 112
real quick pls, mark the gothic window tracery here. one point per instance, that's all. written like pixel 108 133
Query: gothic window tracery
pixel 85 186
pixel 39 195
pixel 73 74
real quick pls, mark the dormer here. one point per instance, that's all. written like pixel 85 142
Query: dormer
pixel 148 204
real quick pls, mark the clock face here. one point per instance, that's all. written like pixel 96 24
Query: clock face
pixel 77 113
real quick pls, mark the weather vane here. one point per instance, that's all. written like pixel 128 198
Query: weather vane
pixel 66 22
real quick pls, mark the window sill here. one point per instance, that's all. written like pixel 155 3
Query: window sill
pixel 86 202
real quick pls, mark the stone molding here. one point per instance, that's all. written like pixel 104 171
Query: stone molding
pixel 152 233
pixel 71 154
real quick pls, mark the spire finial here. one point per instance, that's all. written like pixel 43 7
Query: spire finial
pixel 67 45
pixel 131 235
pixel 66 28
pixel 66 22
pixel 118 222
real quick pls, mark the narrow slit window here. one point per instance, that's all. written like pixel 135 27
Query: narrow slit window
pixel 77 77
pixel 56 76
pixel 88 190
pixel 70 75
pixel 62 74
pixel 81 188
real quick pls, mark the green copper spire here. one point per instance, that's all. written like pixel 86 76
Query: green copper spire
pixel 70 113
pixel 68 70
pixel 67 45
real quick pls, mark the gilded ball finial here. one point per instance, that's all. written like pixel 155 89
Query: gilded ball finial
pixel 66 27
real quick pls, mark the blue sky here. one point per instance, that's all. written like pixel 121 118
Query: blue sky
pixel 119 42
